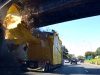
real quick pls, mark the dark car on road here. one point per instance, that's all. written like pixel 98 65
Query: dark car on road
pixel 73 61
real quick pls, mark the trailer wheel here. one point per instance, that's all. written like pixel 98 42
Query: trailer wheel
pixel 24 67
pixel 47 68
pixel 33 64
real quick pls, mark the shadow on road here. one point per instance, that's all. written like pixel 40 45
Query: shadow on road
pixel 65 69
pixel 75 69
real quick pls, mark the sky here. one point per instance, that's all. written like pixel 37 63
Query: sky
pixel 80 35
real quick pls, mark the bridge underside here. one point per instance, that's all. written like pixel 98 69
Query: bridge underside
pixel 68 10
pixel 56 11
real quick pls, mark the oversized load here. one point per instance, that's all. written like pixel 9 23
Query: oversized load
pixel 15 29
pixel 41 49
pixel 47 52
pixel 17 34
pixel 48 49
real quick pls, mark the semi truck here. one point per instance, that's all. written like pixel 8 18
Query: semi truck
pixel 31 49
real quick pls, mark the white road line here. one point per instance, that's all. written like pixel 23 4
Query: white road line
pixel 86 71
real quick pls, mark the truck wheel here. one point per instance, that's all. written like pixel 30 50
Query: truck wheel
pixel 33 64
pixel 36 65
pixel 47 68
pixel 24 67
pixel 76 62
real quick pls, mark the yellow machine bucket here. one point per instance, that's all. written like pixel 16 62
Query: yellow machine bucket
pixel 15 30
pixel 13 17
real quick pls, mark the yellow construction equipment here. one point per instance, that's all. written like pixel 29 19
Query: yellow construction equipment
pixel 40 50
pixel 17 34
pixel 15 29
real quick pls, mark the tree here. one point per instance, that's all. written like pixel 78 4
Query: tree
pixel 80 57
pixel 93 54
pixel 70 56
pixel 65 52
pixel 98 51
pixel 90 54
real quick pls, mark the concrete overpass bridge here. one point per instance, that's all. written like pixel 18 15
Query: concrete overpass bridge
pixel 56 11
pixel 49 12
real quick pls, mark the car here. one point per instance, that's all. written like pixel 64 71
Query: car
pixel 81 60
pixel 66 61
pixel 73 61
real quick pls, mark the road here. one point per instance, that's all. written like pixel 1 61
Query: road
pixel 78 69
pixel 67 69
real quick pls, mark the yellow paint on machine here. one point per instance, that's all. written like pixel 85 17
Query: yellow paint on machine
pixel 15 29
pixel 39 49
pixel 37 52
pixel 57 51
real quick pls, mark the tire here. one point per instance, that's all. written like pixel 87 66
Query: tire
pixel 33 64
pixel 71 62
pixel 24 67
pixel 47 68
pixel 76 62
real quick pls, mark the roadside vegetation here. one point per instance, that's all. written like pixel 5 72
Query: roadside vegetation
pixel 94 61
pixel 93 57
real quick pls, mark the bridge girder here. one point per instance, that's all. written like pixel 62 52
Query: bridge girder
pixel 67 10
pixel 55 11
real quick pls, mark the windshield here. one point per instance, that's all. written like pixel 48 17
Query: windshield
pixel 49 38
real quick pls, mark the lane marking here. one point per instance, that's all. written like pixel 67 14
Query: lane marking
pixel 86 71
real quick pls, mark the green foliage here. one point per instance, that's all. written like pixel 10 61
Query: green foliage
pixel 94 61
pixel 98 51
pixel 97 57
pixel 89 53
pixel 70 56
pixel 65 52
pixel 93 54
pixel 80 57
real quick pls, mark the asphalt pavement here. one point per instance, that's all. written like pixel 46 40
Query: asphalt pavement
pixel 80 68
pixel 66 69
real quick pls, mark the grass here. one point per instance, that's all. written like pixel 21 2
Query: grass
pixel 94 61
